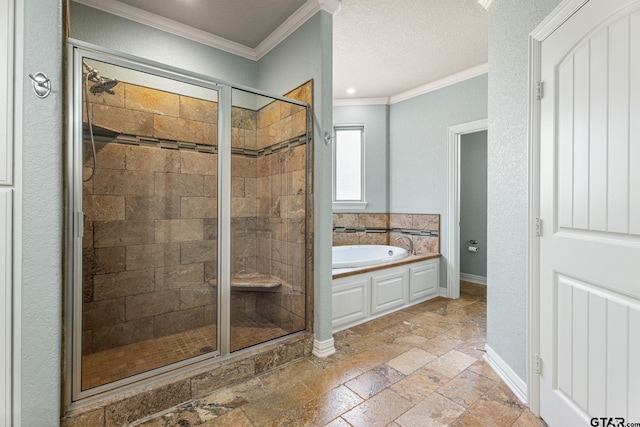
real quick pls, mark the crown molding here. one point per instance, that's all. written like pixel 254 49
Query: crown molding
pixel 295 21
pixel 439 84
pixel 126 11
pixel 341 102
pixel 299 17
pixel 467 74
pixel 485 3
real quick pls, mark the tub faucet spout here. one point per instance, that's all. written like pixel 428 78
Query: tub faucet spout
pixel 409 243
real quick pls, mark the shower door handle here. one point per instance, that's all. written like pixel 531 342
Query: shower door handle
pixel 79 224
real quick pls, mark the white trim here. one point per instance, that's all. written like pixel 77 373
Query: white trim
pixel 443 292
pixel 341 102
pixel 558 16
pixel 297 19
pixel 420 90
pixel 323 348
pixel 533 262
pixel 453 160
pixel 126 11
pixel 508 375
pixel 6 240
pixel 10 79
pixel 6 94
pixel 442 83
pixel 485 3
pixel 474 278
pixel 18 79
pixel 342 206
pixel 293 22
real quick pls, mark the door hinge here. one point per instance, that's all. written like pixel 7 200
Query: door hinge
pixel 539 90
pixel 538 227
pixel 538 367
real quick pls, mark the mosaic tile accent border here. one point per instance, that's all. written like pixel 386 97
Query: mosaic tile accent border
pixel 359 230
pixel 145 141
pixel 414 232
pixel 275 148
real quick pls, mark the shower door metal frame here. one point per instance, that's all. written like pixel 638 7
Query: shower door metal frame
pixel 74 396
pixel 75 222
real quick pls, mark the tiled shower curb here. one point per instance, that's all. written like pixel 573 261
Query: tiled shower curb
pixel 129 407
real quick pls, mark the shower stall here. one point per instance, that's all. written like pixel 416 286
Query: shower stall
pixel 187 220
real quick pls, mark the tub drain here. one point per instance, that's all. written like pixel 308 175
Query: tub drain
pixel 206 349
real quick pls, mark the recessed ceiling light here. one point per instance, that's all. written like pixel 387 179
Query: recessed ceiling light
pixel 351 91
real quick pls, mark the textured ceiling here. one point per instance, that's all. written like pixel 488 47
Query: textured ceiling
pixel 381 48
pixel 247 22
pixel 385 47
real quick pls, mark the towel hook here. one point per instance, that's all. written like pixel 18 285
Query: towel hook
pixel 41 84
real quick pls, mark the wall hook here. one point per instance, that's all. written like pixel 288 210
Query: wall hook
pixel 41 84
pixel 327 138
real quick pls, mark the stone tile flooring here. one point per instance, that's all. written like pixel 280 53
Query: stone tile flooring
pixel 421 366
pixel 121 362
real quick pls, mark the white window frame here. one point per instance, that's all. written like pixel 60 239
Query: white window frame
pixel 350 204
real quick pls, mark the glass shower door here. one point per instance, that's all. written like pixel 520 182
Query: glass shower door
pixel 268 219
pixel 187 221
pixel 149 164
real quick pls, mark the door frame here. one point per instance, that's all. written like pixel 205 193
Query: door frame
pixel 12 41
pixel 453 153
pixel 554 20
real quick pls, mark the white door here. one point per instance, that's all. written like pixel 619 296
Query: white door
pixel 590 205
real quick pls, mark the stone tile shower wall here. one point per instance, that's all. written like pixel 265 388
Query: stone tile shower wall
pixel 150 237
pixel 281 208
pixel 150 240
pixel 384 229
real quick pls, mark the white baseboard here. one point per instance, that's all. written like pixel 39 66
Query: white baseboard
pixel 323 348
pixel 517 385
pixel 443 292
pixel 480 280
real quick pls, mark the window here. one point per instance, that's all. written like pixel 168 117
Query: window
pixel 348 170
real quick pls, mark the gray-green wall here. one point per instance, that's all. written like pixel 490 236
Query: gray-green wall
pixel 40 314
pixel 510 22
pixel 473 202
pixel 375 119
pixel 418 150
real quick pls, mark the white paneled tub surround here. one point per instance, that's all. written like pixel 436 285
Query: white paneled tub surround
pixel 362 295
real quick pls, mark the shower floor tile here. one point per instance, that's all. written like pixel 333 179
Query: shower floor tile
pixel 121 362
pixel 251 329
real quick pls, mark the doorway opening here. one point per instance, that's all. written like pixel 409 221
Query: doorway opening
pixel 455 134
pixel 473 207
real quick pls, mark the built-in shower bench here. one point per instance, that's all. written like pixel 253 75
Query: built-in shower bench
pixel 255 282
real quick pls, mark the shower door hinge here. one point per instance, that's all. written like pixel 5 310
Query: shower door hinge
pixel 538 227
pixel 538 367
pixel 539 90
